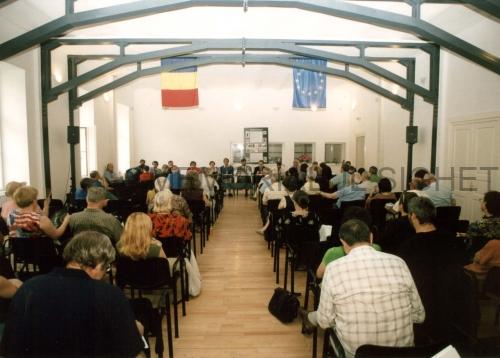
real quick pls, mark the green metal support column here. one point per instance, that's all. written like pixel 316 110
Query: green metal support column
pixel 410 96
pixel 71 114
pixel 46 74
pixel 434 63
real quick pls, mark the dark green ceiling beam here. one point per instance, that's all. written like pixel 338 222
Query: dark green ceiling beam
pixel 237 45
pixel 347 10
pixel 204 60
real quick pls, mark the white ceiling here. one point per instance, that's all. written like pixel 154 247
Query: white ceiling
pixel 21 16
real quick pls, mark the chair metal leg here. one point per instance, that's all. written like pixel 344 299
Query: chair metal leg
pixel 193 239
pixel 169 327
pixel 292 272
pixel 277 245
pixel 183 288
pixel 285 278
pixel 315 343
pixel 306 297
pixel 176 314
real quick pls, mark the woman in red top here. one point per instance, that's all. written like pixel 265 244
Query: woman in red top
pixel 165 222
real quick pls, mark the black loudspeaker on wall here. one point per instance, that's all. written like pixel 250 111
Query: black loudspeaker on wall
pixel 73 134
pixel 411 134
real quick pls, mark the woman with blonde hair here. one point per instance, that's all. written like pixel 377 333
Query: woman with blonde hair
pixel 137 241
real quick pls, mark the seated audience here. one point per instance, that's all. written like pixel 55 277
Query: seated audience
pixel 265 181
pixel 193 168
pixel 226 175
pixel 160 185
pixel 258 172
pixel 26 220
pixel 383 192
pixel 93 218
pixel 212 170
pixel 166 222
pixel 174 180
pixel 181 207
pixel 208 183
pixel 136 241
pixel 434 263
pixel 485 259
pixel 290 183
pixel 154 170
pixel 10 204
pixel 439 192
pixel 303 174
pixel 336 252
pixel 244 174
pixel 488 228
pixel 145 175
pixel 85 184
pixel 351 192
pixel 373 171
pixel 310 186
pixel 366 184
pixel 398 230
pixel 300 218
pixel 70 312
pixel 8 287
pixel 324 177
pixel 368 296
pixel 342 180
pixel 110 175
pixel 191 189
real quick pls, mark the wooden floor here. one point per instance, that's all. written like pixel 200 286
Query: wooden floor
pixel 230 317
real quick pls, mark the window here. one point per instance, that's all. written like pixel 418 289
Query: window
pixel 334 152
pixel 275 152
pixel 123 137
pixel 88 154
pixel 84 161
pixel 303 152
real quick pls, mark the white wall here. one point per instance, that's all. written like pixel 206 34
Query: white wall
pixel 13 123
pixel 232 98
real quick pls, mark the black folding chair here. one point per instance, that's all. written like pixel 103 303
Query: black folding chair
pixel 178 248
pixel 151 274
pixel 200 221
pixel 447 218
pixel 378 212
pixel 31 256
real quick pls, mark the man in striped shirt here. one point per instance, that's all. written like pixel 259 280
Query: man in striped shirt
pixel 367 296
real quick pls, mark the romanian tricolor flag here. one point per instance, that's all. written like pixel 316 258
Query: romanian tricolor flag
pixel 179 88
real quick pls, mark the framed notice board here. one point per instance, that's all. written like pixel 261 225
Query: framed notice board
pixel 256 142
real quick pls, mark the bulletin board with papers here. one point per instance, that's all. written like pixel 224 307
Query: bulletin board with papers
pixel 256 142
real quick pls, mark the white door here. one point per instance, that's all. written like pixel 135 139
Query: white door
pixel 474 155
pixel 360 152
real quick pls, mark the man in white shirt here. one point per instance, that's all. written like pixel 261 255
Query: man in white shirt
pixel 439 192
pixel 367 296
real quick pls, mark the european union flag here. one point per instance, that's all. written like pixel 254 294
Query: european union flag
pixel 309 87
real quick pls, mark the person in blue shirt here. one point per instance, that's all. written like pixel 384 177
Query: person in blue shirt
pixel 351 192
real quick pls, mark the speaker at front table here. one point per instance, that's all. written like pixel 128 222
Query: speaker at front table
pixel 411 134
pixel 73 134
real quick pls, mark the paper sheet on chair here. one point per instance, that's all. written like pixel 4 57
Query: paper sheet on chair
pixel 324 232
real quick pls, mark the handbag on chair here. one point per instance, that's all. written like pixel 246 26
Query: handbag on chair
pixel 283 305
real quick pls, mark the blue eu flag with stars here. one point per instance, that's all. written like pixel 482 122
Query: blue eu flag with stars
pixel 309 87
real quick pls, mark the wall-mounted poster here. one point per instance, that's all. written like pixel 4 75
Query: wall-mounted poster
pixel 256 145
